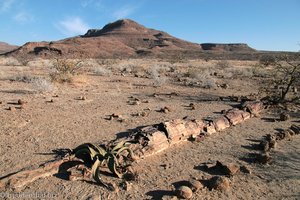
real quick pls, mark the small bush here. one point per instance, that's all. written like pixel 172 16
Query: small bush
pixel 223 64
pixel 267 60
pixel 159 79
pixel 101 71
pixel 25 78
pixel 64 70
pixel 284 77
pixel 9 61
pixel 42 85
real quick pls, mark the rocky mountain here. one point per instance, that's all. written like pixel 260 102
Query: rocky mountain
pixel 237 47
pixel 123 39
pixel 5 47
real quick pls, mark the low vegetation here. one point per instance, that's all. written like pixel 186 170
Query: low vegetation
pixel 64 70
pixel 284 81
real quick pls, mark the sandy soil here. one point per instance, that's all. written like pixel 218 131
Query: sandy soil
pixel 31 134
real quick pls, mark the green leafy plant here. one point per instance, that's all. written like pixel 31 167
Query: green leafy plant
pixel 117 158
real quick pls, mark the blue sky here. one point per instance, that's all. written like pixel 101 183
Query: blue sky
pixel 263 24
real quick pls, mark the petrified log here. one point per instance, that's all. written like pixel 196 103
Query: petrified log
pixel 145 142
pixel 221 123
pixel 149 140
pixel 235 116
pixel 22 178
pixel 180 130
pixel 210 129
pixel 254 107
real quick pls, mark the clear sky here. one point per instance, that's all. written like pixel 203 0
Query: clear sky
pixel 263 24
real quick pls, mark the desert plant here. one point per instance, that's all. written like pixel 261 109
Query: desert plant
pixel 159 79
pixel 101 71
pixel 117 158
pixel 222 64
pixel 63 70
pixel 42 85
pixel 267 60
pixel 285 76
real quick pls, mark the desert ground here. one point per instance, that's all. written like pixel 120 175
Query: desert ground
pixel 60 116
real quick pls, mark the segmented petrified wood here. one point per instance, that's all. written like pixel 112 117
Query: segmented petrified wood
pixel 145 142
pixel 221 123
pixel 180 130
pixel 235 116
pixel 253 107
pixel 20 179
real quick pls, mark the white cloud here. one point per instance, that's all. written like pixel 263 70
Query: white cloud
pixel 124 12
pixel 85 3
pixel 95 3
pixel 72 26
pixel 23 17
pixel 6 5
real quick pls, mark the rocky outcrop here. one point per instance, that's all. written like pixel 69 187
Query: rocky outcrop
pixel 233 47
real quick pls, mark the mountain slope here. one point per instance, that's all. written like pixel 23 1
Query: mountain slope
pixel 123 38
pixel 5 47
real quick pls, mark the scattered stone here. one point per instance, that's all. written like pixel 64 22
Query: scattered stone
pixel 174 94
pixel 155 95
pixel 272 144
pixel 270 137
pixel 285 134
pixel 50 101
pixel 195 185
pixel 284 117
pixel 264 158
pixel 165 109
pixel 145 101
pixel 192 106
pixel 144 114
pixel 114 116
pixel 295 129
pixel 82 98
pixel 55 95
pixel 184 192
pixel 224 86
pixel 223 112
pixel 21 102
pixel 264 145
pixel 12 108
pixel 136 103
pixel 245 169
pixel 0 102
pixel 167 197
pixel 228 168
pixel 126 185
pixel 219 183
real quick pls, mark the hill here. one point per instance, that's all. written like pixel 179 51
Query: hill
pixel 5 47
pixel 123 39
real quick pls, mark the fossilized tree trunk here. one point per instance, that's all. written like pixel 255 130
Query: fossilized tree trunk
pixel 147 141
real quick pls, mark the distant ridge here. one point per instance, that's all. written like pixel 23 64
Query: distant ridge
pixel 126 38
pixel 5 47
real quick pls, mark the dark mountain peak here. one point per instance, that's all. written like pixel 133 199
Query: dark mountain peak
pixel 226 47
pixel 119 26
